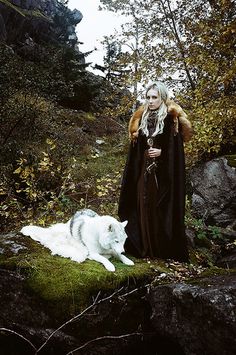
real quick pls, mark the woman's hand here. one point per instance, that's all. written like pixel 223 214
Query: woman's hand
pixel 154 152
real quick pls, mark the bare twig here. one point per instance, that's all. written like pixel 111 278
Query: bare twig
pixel 123 126
pixel 97 296
pixel 101 338
pixel 129 293
pixel 75 318
pixel 134 290
pixel 19 335
pixel 96 302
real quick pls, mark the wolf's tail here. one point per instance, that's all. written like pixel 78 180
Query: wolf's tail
pixel 35 232
pixel 58 239
pixel 40 233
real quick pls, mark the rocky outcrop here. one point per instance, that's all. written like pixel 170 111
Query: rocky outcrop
pixel 201 318
pixel 214 191
pixel 141 318
pixel 38 21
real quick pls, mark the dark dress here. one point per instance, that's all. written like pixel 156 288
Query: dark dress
pixel 154 202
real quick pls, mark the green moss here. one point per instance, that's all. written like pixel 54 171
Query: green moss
pixel 58 280
pixel 202 256
pixel 210 273
pixel 67 286
pixel 216 271
pixel 231 160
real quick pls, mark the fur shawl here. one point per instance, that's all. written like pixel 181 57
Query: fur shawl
pixel 179 118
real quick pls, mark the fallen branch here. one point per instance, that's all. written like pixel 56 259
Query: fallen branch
pixel 133 291
pixel 96 302
pixel 101 338
pixel 75 318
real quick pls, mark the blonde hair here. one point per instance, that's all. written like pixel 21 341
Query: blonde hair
pixel 161 113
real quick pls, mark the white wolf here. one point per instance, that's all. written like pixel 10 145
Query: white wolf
pixel 85 236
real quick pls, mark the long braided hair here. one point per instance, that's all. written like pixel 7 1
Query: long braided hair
pixel 161 113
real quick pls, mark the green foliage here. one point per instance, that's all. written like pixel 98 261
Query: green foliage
pixel 215 232
pixel 122 110
pixel 124 60
pixel 214 129
pixel 48 184
pixel 203 232
pixel 231 160
pixel 84 279
pixel 46 189
pixel 20 115
pixel 47 77
pixel 39 190
pixel 98 176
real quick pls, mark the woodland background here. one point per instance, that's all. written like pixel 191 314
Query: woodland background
pixel 64 130
pixel 64 142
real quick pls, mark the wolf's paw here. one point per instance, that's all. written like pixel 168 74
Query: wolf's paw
pixel 129 262
pixel 110 267
pixel 125 260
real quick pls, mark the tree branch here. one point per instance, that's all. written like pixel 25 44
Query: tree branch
pixel 96 302
pixel 178 40
pixel 101 338
pixel 75 318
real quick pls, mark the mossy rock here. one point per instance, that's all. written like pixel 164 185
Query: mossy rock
pixel 212 276
pixel 67 287
pixel 231 160
pixel 60 281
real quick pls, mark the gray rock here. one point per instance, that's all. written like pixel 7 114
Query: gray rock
pixel 228 261
pixel 77 16
pixel 3 32
pixel 40 28
pixel 16 2
pixel 214 191
pixel 201 318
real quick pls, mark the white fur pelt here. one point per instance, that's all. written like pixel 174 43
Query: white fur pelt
pixel 85 236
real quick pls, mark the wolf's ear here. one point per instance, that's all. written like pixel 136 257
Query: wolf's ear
pixel 124 223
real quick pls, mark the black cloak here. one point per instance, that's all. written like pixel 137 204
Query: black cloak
pixel 167 203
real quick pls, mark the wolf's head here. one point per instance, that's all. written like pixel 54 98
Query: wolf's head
pixel 114 235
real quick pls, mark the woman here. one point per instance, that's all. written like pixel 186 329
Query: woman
pixel 152 195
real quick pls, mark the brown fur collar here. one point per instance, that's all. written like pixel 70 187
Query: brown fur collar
pixel 179 117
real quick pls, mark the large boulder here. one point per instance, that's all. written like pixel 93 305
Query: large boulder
pixel 214 191
pixel 42 21
pixel 201 318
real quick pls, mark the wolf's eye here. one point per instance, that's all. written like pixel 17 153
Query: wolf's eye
pixel 117 241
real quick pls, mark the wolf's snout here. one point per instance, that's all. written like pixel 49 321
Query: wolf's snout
pixel 119 249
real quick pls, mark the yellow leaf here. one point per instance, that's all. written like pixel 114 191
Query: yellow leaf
pixel 18 170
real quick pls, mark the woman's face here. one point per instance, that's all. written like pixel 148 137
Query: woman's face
pixel 153 99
